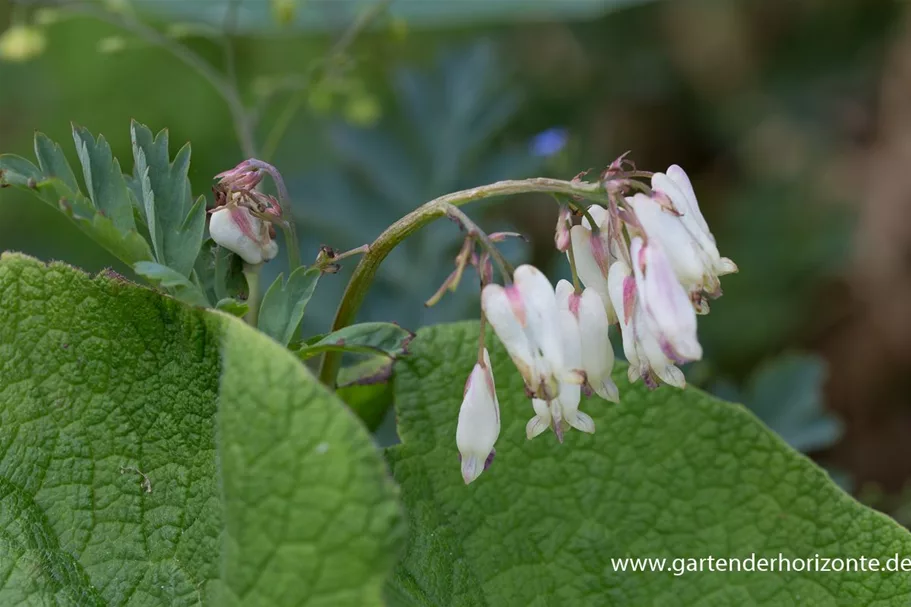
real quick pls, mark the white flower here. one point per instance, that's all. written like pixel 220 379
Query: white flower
pixel 524 316
pixel 563 411
pixel 479 421
pixel 588 310
pixel 236 229
pixel 594 254
pixel 672 217
pixel 668 312
pixel 642 349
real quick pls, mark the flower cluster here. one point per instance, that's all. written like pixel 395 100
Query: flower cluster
pixel 644 260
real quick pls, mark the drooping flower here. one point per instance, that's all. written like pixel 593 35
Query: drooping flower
pixel 668 312
pixel 646 358
pixel 588 310
pixel 672 216
pixel 235 228
pixel 563 412
pixel 594 254
pixel 524 316
pixel 479 421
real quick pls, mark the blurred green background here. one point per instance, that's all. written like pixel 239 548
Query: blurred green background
pixel 793 117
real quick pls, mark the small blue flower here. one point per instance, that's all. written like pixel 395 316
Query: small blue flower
pixel 549 142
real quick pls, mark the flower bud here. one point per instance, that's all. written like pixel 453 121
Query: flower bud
pixel 236 229
pixel 479 421
pixel 562 234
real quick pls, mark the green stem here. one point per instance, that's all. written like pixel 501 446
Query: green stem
pixel 365 271
pixel 251 274
pixel 294 253
pixel 595 228
pixel 242 124
pixel 482 239
pixel 297 99
pixel 572 268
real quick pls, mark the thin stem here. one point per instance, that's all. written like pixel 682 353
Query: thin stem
pixel 277 132
pixel 572 268
pixel 294 253
pixel 482 239
pixel 251 274
pixel 639 186
pixel 595 228
pixel 284 201
pixel 326 261
pixel 364 248
pixel 242 124
pixel 365 271
pixel 642 174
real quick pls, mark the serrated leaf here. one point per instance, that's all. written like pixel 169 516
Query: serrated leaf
pixel 173 281
pixel 176 222
pixel 161 455
pixel 384 338
pixel 53 162
pixel 128 246
pixel 668 474
pixel 17 171
pixel 103 178
pixel 283 305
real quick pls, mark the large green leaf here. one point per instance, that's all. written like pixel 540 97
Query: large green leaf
pixel 668 474
pixel 52 161
pixel 155 454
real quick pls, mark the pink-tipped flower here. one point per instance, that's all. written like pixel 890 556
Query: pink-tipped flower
pixel 668 312
pixel 524 317
pixel 672 216
pixel 588 310
pixel 479 421
pixel 594 254
pixel 562 412
pixel 646 358
pixel 238 230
